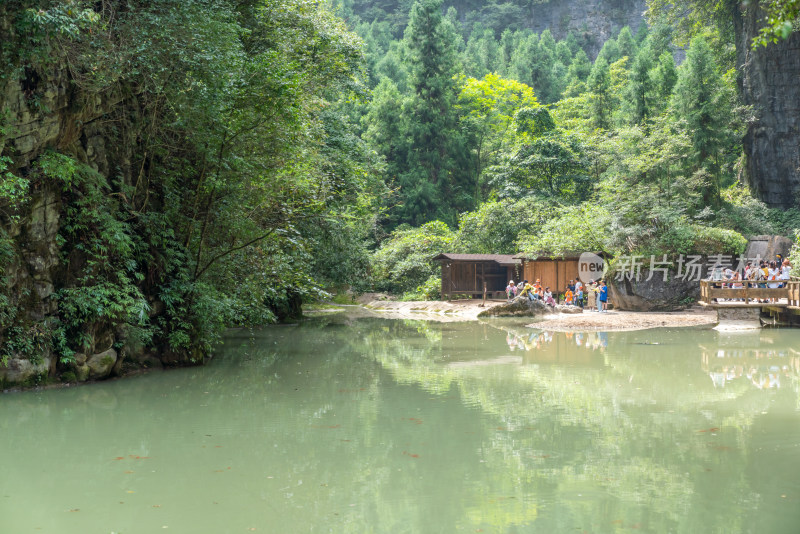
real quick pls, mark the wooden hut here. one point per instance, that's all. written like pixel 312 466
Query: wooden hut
pixel 466 274
pixel 551 271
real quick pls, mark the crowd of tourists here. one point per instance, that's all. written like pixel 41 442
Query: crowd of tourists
pixel 773 274
pixel 593 295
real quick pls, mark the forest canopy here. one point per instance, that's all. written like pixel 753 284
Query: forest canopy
pixel 229 160
pixel 634 150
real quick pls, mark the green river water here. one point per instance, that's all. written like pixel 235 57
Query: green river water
pixel 374 425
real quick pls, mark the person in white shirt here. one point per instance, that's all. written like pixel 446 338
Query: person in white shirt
pixel 786 270
pixel 772 275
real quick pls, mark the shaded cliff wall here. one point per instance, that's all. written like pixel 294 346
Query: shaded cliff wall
pixel 594 21
pixel 44 110
pixel 769 81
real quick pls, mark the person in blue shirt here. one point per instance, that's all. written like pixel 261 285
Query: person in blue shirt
pixel 602 297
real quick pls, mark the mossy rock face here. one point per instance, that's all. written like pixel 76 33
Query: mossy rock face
pixel 82 373
pixel 24 372
pixel 69 376
pixel 519 307
pixel 100 364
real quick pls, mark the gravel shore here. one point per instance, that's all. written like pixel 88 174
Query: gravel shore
pixel 613 320
pixel 625 320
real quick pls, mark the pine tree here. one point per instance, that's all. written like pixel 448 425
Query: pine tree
pixel 700 100
pixel 599 86
pixel 639 94
pixel 520 68
pixel 383 130
pixel 546 71
pixel 507 45
pixel 580 67
pixel 430 186
pixel 609 52
pixel 626 44
pixel 663 77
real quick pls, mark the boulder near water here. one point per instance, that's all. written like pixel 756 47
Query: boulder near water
pixel 524 307
pixel 100 364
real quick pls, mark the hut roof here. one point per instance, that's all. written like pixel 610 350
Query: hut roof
pixel 545 256
pixel 501 259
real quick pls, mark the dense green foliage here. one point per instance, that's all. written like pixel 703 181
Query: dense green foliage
pixel 263 153
pixel 628 153
pixel 238 185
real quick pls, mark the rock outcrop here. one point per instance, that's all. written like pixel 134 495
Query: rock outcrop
pixel 43 111
pixel 653 295
pixel 769 81
pixel 594 21
pixel 524 307
pixel 675 293
pixel 768 247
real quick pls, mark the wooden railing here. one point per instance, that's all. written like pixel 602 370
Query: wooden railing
pixel 712 291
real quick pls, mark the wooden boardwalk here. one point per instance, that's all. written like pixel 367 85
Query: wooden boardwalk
pixel 753 302
pixel 719 294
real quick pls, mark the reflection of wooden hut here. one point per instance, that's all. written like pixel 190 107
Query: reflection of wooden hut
pixel 465 274
pixel 553 272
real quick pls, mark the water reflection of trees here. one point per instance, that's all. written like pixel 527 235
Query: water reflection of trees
pixel 605 433
pixel 624 414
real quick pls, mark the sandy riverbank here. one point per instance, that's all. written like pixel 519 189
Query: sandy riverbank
pixel 464 310
pixel 456 309
pixel 625 320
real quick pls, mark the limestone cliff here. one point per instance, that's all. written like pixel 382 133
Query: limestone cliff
pixel 769 80
pixel 44 110
pixel 594 21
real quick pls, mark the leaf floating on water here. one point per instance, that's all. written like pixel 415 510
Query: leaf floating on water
pixel 156 506
pixel 414 420
pixel 119 458
pixel 75 510
pixel 712 429
pixel 128 472
pixel 411 455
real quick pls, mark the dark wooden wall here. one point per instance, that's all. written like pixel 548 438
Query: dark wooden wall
pixel 467 278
